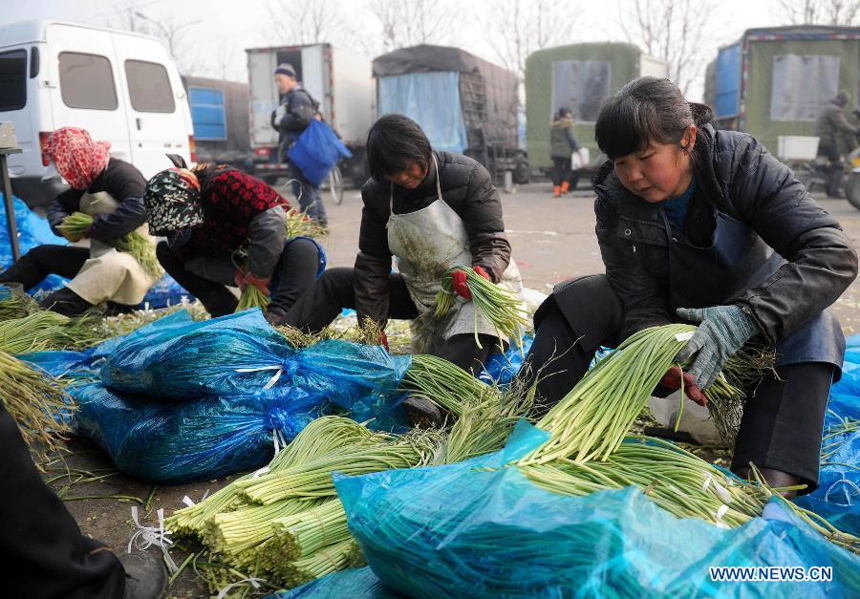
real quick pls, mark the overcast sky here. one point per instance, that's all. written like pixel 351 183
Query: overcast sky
pixel 227 27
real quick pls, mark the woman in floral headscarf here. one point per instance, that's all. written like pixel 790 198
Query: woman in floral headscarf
pixel 224 228
pixel 111 191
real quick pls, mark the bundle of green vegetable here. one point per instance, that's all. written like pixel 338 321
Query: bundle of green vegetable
pixel 252 297
pixel 443 383
pixel 37 332
pixel 17 305
pixel 77 225
pixel 36 401
pixel 299 223
pixel 312 478
pixel 502 308
pixel 300 530
pixel 590 422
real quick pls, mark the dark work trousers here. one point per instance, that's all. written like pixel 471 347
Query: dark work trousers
pixel 309 196
pixel 834 170
pixel 783 419
pixel 45 260
pixel 40 542
pixel 294 273
pixel 334 291
pixel 561 171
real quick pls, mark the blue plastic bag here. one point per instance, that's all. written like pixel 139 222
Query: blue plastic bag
pixel 317 151
pixel 465 531
pixel 242 353
pixel 837 498
pixel 169 442
pixel 33 231
pixel 501 368
pixel 166 292
pixel 358 583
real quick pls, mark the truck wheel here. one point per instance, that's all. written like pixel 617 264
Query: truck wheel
pixel 852 190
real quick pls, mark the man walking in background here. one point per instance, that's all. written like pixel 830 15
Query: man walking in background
pixel 294 113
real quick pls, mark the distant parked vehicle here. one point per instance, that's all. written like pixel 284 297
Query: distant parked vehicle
pixel 464 103
pixel 121 87
pixel 219 114
pixel 579 77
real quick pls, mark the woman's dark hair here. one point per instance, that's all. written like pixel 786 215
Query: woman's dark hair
pixel 564 112
pixel 645 110
pixel 393 144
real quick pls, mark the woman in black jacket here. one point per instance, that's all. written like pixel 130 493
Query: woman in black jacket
pixel 432 210
pixel 706 226
pixel 111 191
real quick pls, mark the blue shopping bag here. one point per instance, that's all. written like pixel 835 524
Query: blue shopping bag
pixel 317 151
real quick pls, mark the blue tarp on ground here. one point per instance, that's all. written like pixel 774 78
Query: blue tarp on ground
pixel 838 495
pixel 466 530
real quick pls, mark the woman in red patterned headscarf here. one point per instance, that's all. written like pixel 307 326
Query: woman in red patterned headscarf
pixel 97 274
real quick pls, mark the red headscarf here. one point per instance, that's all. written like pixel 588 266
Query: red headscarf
pixel 79 159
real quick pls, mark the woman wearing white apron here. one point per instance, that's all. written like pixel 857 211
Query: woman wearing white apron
pixel 431 210
pixel 109 189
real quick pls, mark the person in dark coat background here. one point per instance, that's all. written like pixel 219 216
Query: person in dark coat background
pixel 562 144
pixel 294 113
pixel 829 127
pixel 705 226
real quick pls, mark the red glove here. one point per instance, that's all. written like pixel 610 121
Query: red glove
pixel 261 283
pixel 383 341
pixel 672 380
pixel 458 281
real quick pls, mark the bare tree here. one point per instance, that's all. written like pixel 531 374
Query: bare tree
pixel 305 21
pixel 674 31
pixel 416 22
pixel 125 17
pixel 516 28
pixel 821 12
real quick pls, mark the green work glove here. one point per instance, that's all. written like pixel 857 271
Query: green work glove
pixel 722 332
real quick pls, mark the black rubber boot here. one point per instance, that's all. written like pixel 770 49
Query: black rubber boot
pixel 423 413
pixel 65 301
pixel 145 576
pixel 275 316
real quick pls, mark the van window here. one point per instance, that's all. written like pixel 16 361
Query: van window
pixel 86 81
pixel 13 80
pixel 207 113
pixel 149 87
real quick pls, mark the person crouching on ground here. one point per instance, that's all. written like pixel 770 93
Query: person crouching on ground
pixel 225 228
pixel 433 211
pixel 111 191
pixel 705 226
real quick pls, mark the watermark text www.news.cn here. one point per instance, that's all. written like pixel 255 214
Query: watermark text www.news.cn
pixel 772 573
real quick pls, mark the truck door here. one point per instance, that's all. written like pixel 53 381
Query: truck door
pixel 83 78
pixel 157 102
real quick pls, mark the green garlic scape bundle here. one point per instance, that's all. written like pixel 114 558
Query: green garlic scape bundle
pixel 78 224
pixel 591 421
pixel 502 308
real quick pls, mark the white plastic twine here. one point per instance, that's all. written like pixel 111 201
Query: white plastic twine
pixel 255 582
pixel 719 515
pixel 847 484
pixel 286 366
pixel 147 536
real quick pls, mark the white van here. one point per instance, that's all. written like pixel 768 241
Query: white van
pixel 121 87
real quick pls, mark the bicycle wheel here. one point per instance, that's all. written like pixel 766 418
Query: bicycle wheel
pixel 335 185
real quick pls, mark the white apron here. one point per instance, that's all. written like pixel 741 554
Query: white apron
pixel 427 244
pixel 110 274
